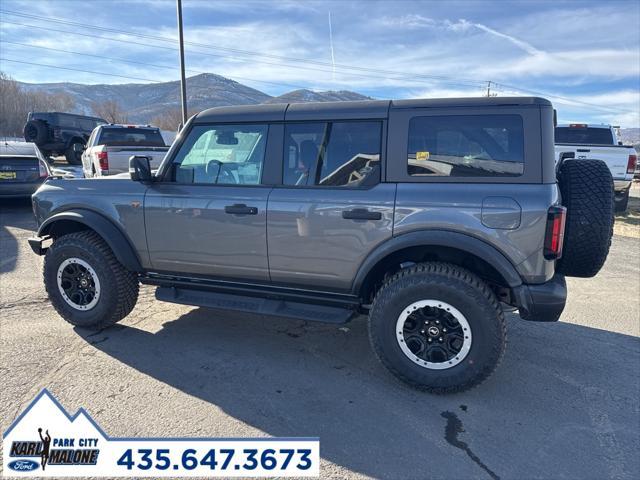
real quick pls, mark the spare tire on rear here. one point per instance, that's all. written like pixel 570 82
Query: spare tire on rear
pixel 587 191
pixel 36 131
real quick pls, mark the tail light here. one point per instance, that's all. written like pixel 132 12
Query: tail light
pixel 554 236
pixel 43 171
pixel 103 159
pixel 631 163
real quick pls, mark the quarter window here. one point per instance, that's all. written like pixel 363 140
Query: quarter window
pixel 332 154
pixel 222 155
pixel 466 146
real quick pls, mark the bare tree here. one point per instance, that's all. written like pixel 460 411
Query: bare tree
pixel 16 102
pixel 170 119
pixel 110 110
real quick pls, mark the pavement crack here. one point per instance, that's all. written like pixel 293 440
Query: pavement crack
pixel 451 431
pixel 22 302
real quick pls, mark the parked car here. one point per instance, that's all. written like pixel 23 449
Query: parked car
pixel 110 146
pixel 23 168
pixel 433 217
pixel 58 133
pixel 588 141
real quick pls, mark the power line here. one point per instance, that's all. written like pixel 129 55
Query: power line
pixel 129 42
pixel 566 99
pixel 241 51
pixel 134 62
pixel 77 70
pixel 444 80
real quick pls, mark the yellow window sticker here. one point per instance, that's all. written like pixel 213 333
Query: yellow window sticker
pixel 422 155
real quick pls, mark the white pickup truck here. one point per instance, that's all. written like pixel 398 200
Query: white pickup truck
pixel 110 146
pixel 600 142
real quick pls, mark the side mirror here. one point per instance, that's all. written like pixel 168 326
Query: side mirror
pixel 140 168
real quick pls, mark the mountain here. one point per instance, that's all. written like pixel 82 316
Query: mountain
pixel 630 136
pixel 304 95
pixel 142 102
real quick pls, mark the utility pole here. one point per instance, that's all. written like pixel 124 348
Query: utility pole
pixel 183 81
pixel 489 94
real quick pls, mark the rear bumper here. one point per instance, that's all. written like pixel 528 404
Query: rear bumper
pixel 542 302
pixel 621 185
pixel 18 190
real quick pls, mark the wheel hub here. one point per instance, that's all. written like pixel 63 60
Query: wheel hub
pixel 433 334
pixel 78 284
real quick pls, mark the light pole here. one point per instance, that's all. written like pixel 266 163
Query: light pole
pixel 183 82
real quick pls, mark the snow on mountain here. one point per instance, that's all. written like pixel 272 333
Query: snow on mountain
pixel 304 95
pixel 142 102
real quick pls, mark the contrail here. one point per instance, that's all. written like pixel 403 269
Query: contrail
pixel 527 47
pixel 333 59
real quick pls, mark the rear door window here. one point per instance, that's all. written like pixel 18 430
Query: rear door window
pixel 332 154
pixel 466 146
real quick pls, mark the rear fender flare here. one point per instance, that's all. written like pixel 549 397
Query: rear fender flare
pixel 440 238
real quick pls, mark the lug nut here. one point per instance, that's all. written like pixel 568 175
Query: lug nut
pixel 440 339
pixel 421 331
pixel 429 340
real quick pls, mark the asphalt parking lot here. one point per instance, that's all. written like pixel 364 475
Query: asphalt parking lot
pixel 564 404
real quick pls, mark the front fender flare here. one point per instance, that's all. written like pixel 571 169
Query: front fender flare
pixel 440 238
pixel 110 233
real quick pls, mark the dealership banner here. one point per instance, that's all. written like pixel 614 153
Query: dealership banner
pixel 45 441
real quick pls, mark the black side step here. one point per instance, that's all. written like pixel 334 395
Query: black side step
pixel 262 306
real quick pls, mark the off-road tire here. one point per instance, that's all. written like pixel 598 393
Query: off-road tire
pixel 459 288
pixel 586 187
pixel 36 131
pixel 120 286
pixel 73 158
pixel 622 202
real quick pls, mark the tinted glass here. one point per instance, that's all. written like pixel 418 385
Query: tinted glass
pixel 335 154
pixel 584 135
pixel 65 121
pixel 140 137
pixel 466 146
pixel 222 155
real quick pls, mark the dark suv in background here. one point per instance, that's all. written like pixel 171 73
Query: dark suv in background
pixel 58 133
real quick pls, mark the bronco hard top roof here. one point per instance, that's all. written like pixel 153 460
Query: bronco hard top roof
pixel 348 110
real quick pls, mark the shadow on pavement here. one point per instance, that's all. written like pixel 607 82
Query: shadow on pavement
pixel 13 213
pixel 563 404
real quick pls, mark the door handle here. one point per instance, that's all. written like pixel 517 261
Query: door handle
pixel 361 214
pixel 240 209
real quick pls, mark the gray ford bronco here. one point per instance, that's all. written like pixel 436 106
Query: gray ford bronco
pixel 432 217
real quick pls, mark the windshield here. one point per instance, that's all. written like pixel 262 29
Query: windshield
pixel 134 137
pixel 584 135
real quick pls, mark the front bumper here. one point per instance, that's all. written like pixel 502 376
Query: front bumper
pixel 37 244
pixel 542 302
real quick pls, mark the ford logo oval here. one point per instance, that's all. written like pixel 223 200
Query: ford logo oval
pixel 23 465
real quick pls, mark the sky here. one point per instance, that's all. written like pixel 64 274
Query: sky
pixel 584 56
